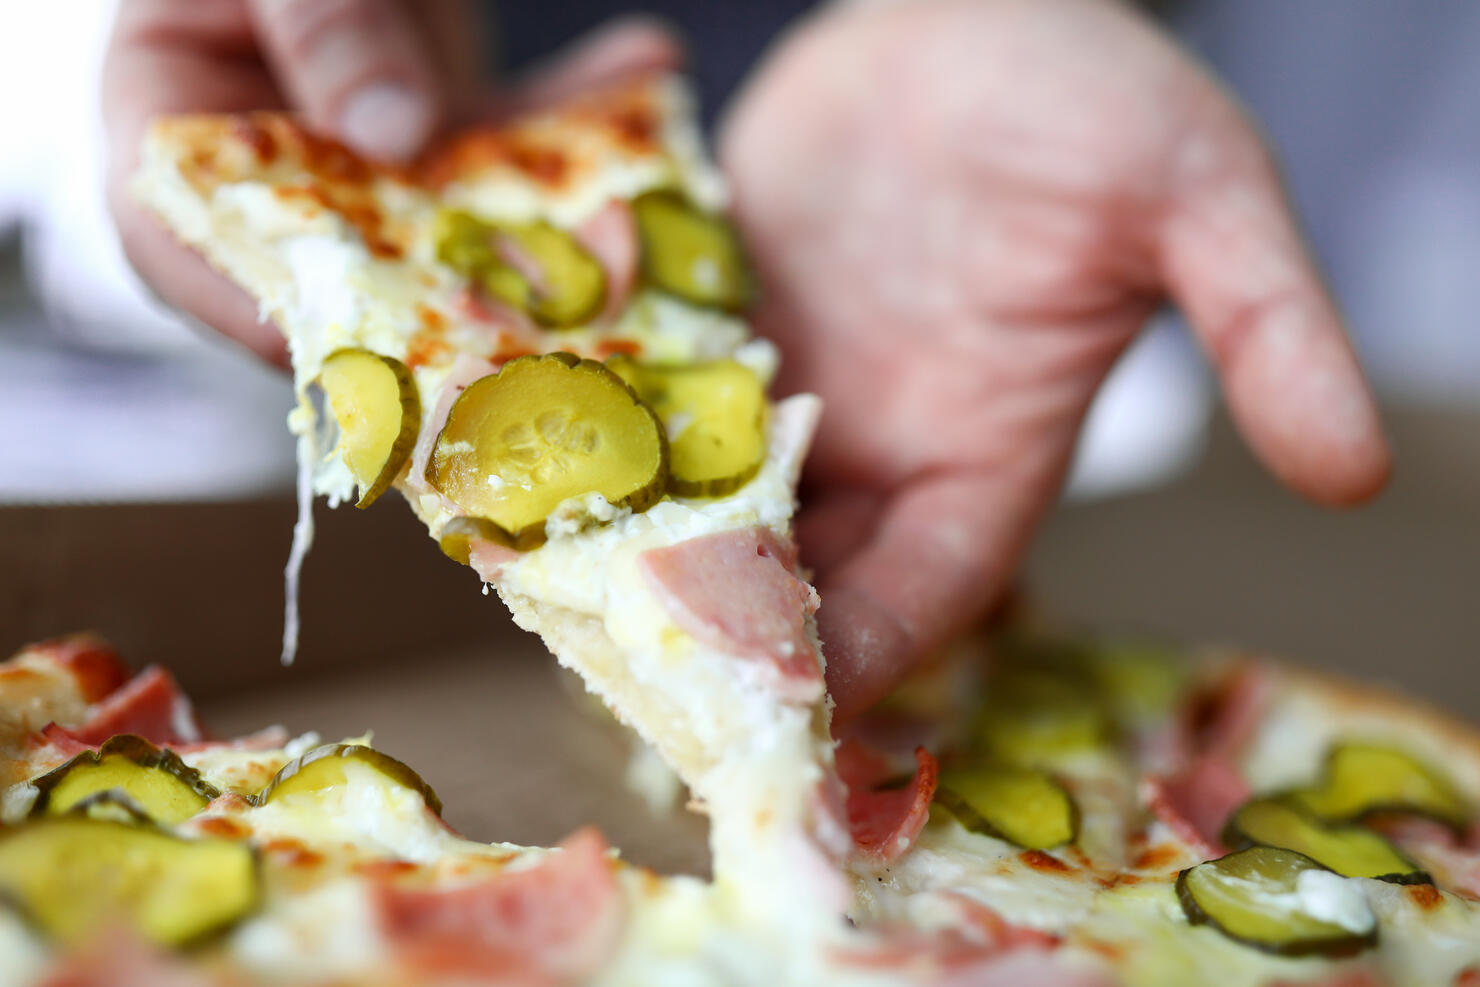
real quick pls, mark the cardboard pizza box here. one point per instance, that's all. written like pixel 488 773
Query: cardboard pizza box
pixel 399 640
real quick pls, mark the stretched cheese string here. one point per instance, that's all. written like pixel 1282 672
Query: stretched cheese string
pixel 308 454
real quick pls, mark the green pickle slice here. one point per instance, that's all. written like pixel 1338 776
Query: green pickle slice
pixel 73 876
pixel 1140 681
pixel 541 431
pixel 378 409
pixel 1255 897
pixel 323 768
pixel 1363 779
pixel 1351 851
pixel 715 417
pixel 1036 717
pixel 1020 805
pixel 692 254
pixel 534 267
pixel 161 785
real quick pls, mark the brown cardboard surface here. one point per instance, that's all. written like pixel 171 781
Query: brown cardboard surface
pixel 512 745
pixel 199 587
pixel 399 640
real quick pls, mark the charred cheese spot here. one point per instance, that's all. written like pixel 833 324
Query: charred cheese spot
pixel 225 828
pixel 1038 860
pixel 611 346
pixel 291 853
pixel 1159 857
pixel 428 345
pixel 355 205
pixel 250 131
pixel 547 165
pixel 1425 896
pixel 386 869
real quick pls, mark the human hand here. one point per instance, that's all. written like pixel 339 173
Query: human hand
pixel 962 211
pixel 381 75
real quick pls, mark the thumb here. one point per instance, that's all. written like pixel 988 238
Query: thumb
pixel 360 69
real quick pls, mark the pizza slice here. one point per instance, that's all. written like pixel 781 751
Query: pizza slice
pixel 536 335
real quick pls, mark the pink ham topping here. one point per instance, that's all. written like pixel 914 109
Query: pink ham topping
pixel 1455 861
pixel 68 744
pixel 92 662
pixel 1225 717
pixel 116 958
pixel 150 705
pixel 464 370
pixel 1357 977
pixel 559 919
pixel 1196 801
pixel 736 591
pixel 982 950
pixel 610 235
pixel 886 822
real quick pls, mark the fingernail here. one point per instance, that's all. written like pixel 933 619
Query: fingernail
pixel 386 120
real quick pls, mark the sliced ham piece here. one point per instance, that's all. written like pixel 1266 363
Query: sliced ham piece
pixel 1345 978
pixel 859 764
pixel 1453 861
pixel 91 660
pixel 464 370
pixel 68 744
pixel 610 235
pixel 983 950
pixel 488 559
pixel 115 958
pixel 738 592
pixel 150 705
pixel 1223 719
pixel 886 822
pixel 1196 801
pixel 557 920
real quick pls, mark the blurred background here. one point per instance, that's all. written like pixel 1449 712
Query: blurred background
pixel 145 469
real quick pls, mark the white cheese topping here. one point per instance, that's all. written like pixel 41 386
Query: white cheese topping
pixel 1335 899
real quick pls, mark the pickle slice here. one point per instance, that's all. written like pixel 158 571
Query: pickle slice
pixel 1035 717
pixel 458 534
pixel 1020 805
pixel 534 267
pixel 1351 851
pixel 715 416
pixel 1363 779
pixel 691 254
pixel 541 431
pixel 375 402
pixel 73 876
pixel 164 787
pixel 1264 897
pixel 323 768
pixel 1139 681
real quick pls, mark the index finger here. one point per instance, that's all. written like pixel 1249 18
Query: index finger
pixel 1234 261
pixel 177 56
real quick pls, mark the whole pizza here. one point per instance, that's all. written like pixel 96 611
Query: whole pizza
pixel 536 335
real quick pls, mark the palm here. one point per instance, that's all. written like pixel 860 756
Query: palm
pixel 961 212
